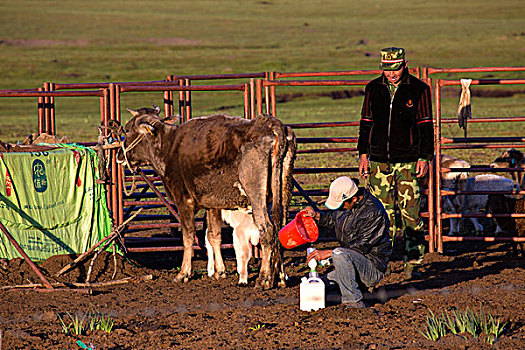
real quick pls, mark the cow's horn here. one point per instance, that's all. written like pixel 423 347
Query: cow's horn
pixel 133 113
pixel 146 128
pixel 157 109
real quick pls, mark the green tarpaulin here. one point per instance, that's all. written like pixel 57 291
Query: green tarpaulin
pixel 50 202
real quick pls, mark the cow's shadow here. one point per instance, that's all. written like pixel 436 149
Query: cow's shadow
pixel 172 259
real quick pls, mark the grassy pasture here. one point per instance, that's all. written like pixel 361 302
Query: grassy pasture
pixel 99 41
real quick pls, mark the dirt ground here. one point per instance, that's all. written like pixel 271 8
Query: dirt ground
pixel 154 312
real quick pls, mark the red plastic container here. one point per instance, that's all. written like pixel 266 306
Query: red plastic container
pixel 302 229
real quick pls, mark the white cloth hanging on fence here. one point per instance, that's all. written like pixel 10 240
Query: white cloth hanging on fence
pixel 464 108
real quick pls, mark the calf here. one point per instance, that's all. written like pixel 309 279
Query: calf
pixel 512 158
pixel 501 204
pixel 245 237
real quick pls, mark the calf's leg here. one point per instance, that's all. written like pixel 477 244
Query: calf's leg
pixel 211 256
pixel 242 253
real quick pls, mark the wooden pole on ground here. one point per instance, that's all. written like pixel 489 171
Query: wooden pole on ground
pixel 109 238
pixel 83 255
pixel 24 255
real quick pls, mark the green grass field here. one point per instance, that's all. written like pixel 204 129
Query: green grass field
pixel 98 41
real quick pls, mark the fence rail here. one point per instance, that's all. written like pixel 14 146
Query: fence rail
pixel 258 94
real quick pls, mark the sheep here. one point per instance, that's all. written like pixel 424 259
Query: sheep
pixel 245 237
pixel 452 181
pixel 512 158
pixel 450 206
pixel 471 204
pixel 502 204
pixel 448 178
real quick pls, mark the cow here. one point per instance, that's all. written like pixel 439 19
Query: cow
pixel 219 162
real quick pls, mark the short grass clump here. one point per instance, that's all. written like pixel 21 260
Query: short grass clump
pixel 476 324
pixel 92 321
pixel 257 327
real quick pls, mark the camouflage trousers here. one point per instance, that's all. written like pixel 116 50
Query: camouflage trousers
pixel 397 188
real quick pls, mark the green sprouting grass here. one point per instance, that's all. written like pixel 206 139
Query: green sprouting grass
pixel 257 327
pixel 92 320
pixel 73 324
pixel 435 327
pixel 477 324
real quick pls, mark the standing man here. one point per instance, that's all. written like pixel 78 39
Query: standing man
pixel 360 223
pixel 396 141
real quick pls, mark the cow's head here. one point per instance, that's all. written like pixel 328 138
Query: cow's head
pixel 141 139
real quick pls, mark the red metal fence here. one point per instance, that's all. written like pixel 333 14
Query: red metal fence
pixel 258 95
pixel 436 237
pixel 165 87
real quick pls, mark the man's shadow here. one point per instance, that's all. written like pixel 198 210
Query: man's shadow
pixel 459 267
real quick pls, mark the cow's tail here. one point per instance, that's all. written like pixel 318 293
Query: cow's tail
pixel 283 157
pixel 286 174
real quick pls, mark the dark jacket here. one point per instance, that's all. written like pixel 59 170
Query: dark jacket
pixel 399 132
pixel 364 228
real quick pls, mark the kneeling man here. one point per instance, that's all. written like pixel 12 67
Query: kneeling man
pixel 361 226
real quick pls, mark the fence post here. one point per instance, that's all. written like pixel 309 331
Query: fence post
pixel 52 110
pixel 168 99
pixel 187 100
pixel 430 200
pixel 259 96
pixel 41 113
pixel 120 168
pixel 47 111
pixel 114 169
pixel 104 120
pixel 437 148
pixel 252 98
pixel 182 109
pixel 246 94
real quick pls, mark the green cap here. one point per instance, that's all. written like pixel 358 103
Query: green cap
pixel 392 58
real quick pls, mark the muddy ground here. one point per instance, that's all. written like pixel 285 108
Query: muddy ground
pixel 157 313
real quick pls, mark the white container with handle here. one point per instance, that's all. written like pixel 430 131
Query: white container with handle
pixel 311 294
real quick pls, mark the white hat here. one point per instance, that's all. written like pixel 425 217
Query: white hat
pixel 341 189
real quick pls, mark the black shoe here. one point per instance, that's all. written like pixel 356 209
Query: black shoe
pixel 330 284
pixel 411 271
pixel 331 287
